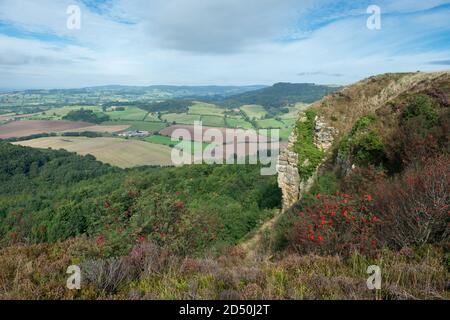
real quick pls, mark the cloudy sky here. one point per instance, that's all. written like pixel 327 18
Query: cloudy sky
pixel 196 42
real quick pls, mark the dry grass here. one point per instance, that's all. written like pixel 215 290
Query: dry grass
pixel 119 152
pixel 343 108
pixel 103 128
pixel 151 272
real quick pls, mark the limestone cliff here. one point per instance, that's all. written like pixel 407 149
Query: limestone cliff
pixel 289 180
pixel 336 114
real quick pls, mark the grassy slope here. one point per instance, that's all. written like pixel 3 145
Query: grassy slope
pixel 254 111
pixel 202 108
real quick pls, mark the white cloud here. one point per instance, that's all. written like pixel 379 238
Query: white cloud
pixel 212 42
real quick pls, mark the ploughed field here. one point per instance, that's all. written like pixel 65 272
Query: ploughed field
pixel 27 128
pixel 154 149
pixel 17 129
pixel 118 152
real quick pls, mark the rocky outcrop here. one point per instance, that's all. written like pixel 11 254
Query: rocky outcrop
pixel 343 109
pixel 288 176
pixel 289 180
pixel 324 135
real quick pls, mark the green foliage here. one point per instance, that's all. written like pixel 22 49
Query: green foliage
pixel 327 183
pixel 170 106
pixel 48 196
pixel 88 134
pixel 362 123
pixel 31 137
pixel 368 148
pixel 309 156
pixel 279 96
pixel 421 106
pixel 346 142
pixel 364 146
pixel 86 116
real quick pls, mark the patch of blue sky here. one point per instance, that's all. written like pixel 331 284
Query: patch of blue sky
pixel 103 8
pixel 429 43
pixel 319 17
pixel 98 6
pixel 12 30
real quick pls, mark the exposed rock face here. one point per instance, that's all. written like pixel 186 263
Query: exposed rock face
pixel 362 98
pixel 288 176
pixel 324 135
pixel 289 181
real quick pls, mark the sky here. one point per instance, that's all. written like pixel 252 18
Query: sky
pixel 216 42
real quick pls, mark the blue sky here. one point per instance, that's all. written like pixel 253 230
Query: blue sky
pixel 224 42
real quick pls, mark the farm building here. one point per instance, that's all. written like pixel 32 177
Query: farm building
pixel 136 133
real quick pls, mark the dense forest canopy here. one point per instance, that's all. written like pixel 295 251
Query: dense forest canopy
pixel 86 116
pixel 48 196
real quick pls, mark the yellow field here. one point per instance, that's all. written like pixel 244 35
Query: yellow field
pixel 118 152
pixel 102 128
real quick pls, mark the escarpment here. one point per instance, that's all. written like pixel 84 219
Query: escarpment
pixel 366 112
pixel 291 182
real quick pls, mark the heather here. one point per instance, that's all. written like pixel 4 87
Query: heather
pixel 380 196
pixel 152 272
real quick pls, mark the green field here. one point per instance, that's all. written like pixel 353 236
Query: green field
pixel 139 125
pixel 270 123
pixel 58 113
pixel 167 141
pixel 294 111
pixel 213 121
pixel 211 115
pixel 254 111
pixel 205 109
pixel 237 123
pixel 152 117
pixel 289 122
pixel 182 118
pixel 130 113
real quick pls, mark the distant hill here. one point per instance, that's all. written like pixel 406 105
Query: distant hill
pixel 280 95
pixel 23 101
pixel 157 91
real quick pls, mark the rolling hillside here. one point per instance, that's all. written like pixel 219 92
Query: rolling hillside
pixel 364 182
pixel 280 95
pixel 373 159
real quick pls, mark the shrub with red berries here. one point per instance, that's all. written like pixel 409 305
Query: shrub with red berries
pixel 336 224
